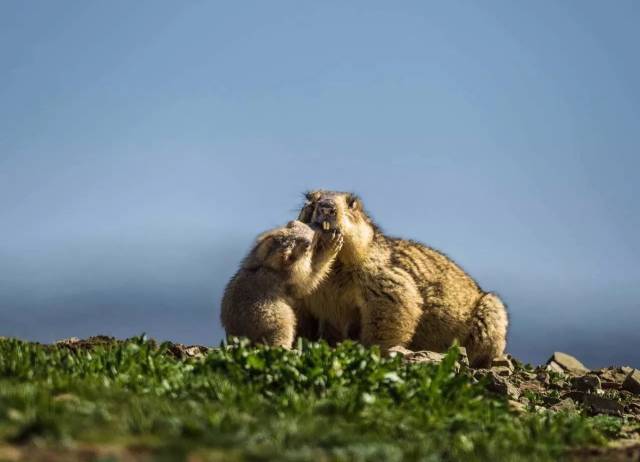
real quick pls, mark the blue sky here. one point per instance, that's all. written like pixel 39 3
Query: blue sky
pixel 144 144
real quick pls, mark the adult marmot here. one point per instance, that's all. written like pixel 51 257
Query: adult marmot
pixel 400 291
pixel 284 265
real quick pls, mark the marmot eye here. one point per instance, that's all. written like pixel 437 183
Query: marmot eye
pixel 305 244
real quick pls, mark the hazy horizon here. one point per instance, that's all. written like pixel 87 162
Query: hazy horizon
pixel 143 146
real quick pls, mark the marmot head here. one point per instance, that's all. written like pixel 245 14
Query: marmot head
pixel 283 248
pixel 342 211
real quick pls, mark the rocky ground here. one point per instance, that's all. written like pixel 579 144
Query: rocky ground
pixel 563 384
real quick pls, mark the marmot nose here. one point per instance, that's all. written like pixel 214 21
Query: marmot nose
pixel 327 208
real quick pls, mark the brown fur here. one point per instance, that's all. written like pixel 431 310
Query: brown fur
pixel 398 291
pixel 284 265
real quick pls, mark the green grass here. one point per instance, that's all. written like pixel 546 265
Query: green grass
pixel 312 403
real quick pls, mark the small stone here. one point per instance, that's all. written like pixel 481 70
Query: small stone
pixel 195 351
pixel 566 404
pixel 600 405
pixel 568 363
pixel 65 397
pixel 14 414
pixel 632 382
pixel 586 383
pixel 464 358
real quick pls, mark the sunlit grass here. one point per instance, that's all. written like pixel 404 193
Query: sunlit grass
pixel 312 403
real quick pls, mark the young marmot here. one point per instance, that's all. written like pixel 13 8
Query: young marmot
pixel 284 265
pixel 400 291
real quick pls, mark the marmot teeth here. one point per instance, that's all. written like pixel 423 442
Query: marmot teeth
pixel 326 226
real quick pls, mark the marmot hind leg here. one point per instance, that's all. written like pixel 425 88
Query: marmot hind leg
pixel 278 326
pixel 391 312
pixel 272 323
pixel 487 336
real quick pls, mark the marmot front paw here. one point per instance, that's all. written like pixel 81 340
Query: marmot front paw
pixel 331 240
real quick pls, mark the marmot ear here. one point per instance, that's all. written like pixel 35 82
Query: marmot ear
pixel 354 202
pixel 261 249
pixel 305 212
pixel 265 237
pixel 264 245
pixel 313 196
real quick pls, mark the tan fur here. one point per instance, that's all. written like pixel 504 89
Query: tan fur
pixel 398 291
pixel 284 265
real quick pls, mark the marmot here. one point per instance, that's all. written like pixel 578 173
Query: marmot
pixel 400 291
pixel 284 265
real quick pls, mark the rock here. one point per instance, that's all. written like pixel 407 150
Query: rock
pixel 399 350
pixel 634 408
pixel 15 415
pixel 606 385
pixel 566 404
pixel 76 344
pixel 600 405
pixel 502 371
pixel 532 386
pixel 553 366
pixel 502 361
pixel 586 383
pixel 66 397
pixel 543 377
pixel 612 374
pixel 517 406
pixel 181 351
pixel 425 357
pixel 527 375
pixel 577 396
pixel 632 382
pixel 416 356
pixel 464 358
pixel 194 352
pixel 502 386
pixel 502 366
pixel 568 363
